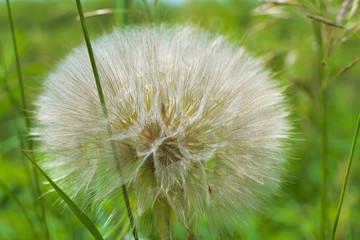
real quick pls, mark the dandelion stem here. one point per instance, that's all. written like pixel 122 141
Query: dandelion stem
pixel 27 119
pixel 346 178
pixel 104 110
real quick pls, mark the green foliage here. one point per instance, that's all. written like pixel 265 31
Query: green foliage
pixel 47 30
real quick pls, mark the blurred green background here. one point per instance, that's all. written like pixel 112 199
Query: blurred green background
pixel 46 32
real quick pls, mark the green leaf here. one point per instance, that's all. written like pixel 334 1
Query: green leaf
pixel 346 178
pixel 80 215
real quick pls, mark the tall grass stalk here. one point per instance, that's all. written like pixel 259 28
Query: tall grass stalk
pixel 345 178
pixel 323 164
pixel 322 80
pixel 27 120
pixel 104 110
pixel 15 106
pixel 17 61
pixel 5 84
pixel 150 10
pixel 127 6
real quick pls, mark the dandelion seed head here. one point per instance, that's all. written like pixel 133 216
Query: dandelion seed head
pixel 197 123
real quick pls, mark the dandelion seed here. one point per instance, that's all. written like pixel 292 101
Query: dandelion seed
pixel 198 125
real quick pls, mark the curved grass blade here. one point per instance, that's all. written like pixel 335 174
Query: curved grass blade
pixel 346 178
pixel 27 119
pixel 104 110
pixel 16 200
pixel 148 10
pixel 15 106
pixel 79 214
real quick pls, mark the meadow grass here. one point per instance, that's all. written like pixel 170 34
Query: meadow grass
pixel 25 109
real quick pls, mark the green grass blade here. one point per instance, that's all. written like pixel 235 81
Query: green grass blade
pixel 5 86
pixel 92 58
pixel 18 68
pixel 103 106
pixel 16 107
pixel 127 6
pixel 80 215
pixel 23 209
pixel 345 179
pixel 27 120
pixel 148 10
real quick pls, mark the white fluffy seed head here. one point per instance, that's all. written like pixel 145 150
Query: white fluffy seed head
pixel 198 127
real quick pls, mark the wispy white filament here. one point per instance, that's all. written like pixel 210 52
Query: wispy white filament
pixel 198 124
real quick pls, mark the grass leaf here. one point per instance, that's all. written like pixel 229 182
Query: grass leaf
pixel 346 178
pixel 104 110
pixel 25 109
pixel 80 215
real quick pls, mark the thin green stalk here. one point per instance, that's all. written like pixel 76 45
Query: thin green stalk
pixel 346 178
pixel 148 10
pixel 104 110
pixel 23 101
pixel 323 165
pixel 5 76
pixel 27 119
pixel 322 79
pixel 127 6
pixel 15 106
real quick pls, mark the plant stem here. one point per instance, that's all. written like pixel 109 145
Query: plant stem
pixel 323 165
pixel 346 178
pixel 127 5
pixel 148 10
pixel 15 105
pixel 322 80
pixel 27 119
pixel 23 101
pixel 104 110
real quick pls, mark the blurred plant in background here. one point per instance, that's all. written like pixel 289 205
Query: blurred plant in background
pixel 313 47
